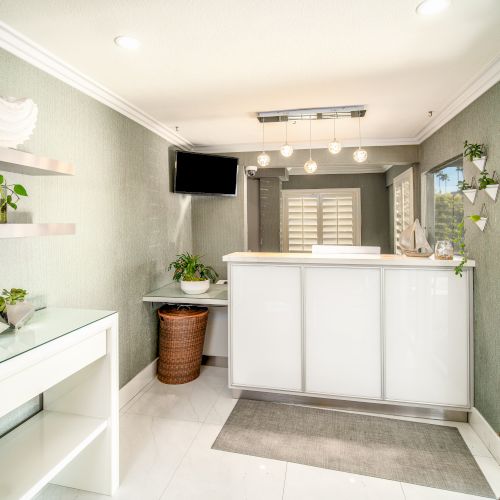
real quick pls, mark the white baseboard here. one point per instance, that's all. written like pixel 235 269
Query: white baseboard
pixel 486 433
pixel 134 386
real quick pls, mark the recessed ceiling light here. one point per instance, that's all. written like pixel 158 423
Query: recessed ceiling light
pixel 431 7
pixel 127 42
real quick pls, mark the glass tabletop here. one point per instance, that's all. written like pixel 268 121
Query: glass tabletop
pixel 46 325
pixel 173 291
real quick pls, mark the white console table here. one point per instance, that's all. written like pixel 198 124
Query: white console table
pixel 71 357
pixel 378 329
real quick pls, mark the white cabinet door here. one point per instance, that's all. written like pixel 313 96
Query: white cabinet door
pixel 266 326
pixel 342 324
pixel 427 336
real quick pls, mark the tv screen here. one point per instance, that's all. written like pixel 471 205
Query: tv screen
pixel 198 173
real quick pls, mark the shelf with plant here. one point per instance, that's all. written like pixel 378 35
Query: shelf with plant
pixel 193 275
pixel 10 194
pixel 476 153
pixel 489 184
pixel 469 190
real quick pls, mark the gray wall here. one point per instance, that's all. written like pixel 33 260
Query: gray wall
pixel 479 122
pixel 218 225
pixel 374 201
pixel 128 224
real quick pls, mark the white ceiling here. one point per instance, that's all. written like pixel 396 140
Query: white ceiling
pixel 206 66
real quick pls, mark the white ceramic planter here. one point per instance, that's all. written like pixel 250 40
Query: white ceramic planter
pixel 492 191
pixel 195 287
pixel 480 162
pixel 481 223
pixel 19 314
pixel 470 194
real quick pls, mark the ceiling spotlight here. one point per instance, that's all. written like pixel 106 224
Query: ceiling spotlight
pixel 334 146
pixel 310 166
pixel 360 155
pixel 286 150
pixel 127 42
pixel 263 159
pixel 431 7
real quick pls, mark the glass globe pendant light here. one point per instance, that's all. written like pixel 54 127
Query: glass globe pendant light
pixel 334 146
pixel 263 159
pixel 310 166
pixel 286 150
pixel 360 155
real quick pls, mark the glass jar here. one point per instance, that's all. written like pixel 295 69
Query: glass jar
pixel 444 250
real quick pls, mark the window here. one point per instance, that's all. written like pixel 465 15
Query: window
pixel 403 205
pixel 444 208
pixel 323 217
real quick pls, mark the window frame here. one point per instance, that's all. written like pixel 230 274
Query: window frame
pixel 400 179
pixel 356 212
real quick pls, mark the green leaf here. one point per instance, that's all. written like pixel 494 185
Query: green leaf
pixel 18 189
pixel 474 218
pixel 1 179
pixel 13 205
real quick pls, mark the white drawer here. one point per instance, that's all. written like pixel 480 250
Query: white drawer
pixel 37 378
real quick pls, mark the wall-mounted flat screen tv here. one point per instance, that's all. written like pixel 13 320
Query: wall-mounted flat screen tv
pixel 198 173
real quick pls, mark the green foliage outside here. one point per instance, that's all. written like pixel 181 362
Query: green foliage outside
pixel 448 214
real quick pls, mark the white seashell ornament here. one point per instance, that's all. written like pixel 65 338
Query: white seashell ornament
pixel 17 121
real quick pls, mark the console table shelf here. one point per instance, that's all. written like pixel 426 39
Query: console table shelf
pixel 20 162
pixel 26 230
pixel 35 452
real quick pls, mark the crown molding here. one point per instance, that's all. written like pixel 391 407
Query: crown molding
pixel 24 48
pixel 275 146
pixel 488 77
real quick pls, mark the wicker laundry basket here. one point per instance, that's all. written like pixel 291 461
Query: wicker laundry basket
pixel 182 334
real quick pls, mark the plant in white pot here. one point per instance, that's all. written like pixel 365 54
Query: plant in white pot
pixel 193 276
pixel 469 190
pixel 476 153
pixel 489 184
pixel 14 309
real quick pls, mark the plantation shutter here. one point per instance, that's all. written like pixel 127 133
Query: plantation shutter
pixel 403 205
pixel 302 212
pixel 329 217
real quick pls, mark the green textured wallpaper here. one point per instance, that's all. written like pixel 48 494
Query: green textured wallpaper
pixel 128 224
pixel 479 122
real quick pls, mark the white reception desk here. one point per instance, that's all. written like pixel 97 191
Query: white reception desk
pixel 383 329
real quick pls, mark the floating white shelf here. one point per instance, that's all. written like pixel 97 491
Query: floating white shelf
pixel 35 452
pixel 27 230
pixel 20 162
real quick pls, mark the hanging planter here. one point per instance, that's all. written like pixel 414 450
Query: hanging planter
pixel 489 184
pixel 476 153
pixel 481 219
pixel 469 190
pixel 480 162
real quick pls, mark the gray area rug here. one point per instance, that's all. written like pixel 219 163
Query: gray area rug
pixel 429 455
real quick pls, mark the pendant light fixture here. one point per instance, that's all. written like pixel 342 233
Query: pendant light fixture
pixel 263 159
pixel 360 155
pixel 310 166
pixel 334 146
pixel 286 150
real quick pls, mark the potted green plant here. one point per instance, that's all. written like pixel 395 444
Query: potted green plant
pixel 476 153
pixel 469 190
pixel 13 307
pixel 489 184
pixel 193 276
pixel 9 196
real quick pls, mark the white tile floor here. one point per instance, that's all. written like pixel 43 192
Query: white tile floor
pixel 166 438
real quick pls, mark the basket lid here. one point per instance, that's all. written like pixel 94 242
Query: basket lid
pixel 181 311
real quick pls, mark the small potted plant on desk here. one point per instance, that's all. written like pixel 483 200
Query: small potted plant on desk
pixel 193 276
pixel 14 310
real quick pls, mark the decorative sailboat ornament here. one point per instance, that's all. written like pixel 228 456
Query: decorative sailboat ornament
pixel 413 241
